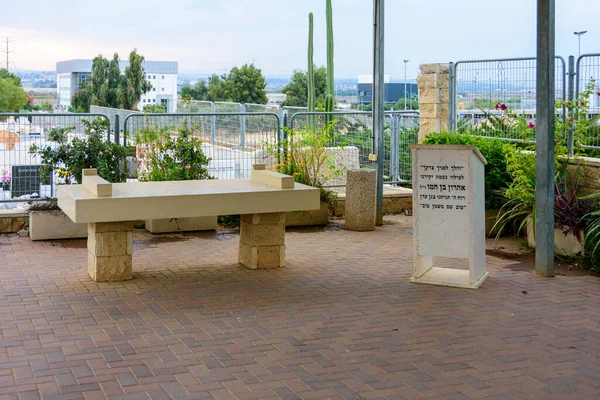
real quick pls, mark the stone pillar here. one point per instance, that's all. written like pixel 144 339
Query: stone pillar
pixel 361 188
pixel 262 240
pixel 434 99
pixel 110 246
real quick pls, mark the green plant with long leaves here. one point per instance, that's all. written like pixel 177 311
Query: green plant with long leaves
pixel 330 96
pixel 592 235
pixel 310 75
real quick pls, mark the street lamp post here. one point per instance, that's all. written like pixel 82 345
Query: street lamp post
pixel 405 62
pixel 579 35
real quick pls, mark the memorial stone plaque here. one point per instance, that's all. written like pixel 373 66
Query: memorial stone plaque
pixel 448 213
pixel 26 180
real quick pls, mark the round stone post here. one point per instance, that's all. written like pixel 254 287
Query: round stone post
pixel 361 188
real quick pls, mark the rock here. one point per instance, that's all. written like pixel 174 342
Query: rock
pixel 23 233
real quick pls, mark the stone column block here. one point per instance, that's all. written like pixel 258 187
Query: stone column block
pixel 262 240
pixel 361 188
pixel 436 68
pixel 434 99
pixel 110 249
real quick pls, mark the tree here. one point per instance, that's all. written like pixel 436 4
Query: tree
pixel 198 92
pixel 411 104
pixel 133 84
pixel 297 90
pixel 247 85
pixel 217 88
pixel 12 97
pixel 6 74
pixel 81 100
pixel 107 87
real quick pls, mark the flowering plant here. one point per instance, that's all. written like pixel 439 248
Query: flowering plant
pixel 5 178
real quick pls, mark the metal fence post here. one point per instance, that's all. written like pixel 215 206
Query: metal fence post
pixel 545 111
pixel 117 129
pixel 394 146
pixel 570 143
pixel 452 95
pixel 378 102
pixel 213 123
pixel 242 127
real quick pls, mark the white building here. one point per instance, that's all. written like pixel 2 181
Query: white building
pixel 161 74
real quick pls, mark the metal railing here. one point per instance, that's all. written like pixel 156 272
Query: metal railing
pixel 588 71
pixel 352 143
pixel 20 179
pixel 232 140
pixel 483 92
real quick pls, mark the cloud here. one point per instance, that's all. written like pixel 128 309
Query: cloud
pixel 212 36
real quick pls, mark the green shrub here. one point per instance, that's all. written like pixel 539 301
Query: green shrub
pixel 69 159
pixel 174 158
pixel 497 177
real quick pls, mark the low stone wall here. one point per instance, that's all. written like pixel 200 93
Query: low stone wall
pixel 588 179
pixel 13 222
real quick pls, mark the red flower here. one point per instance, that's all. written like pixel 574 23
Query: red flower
pixel 582 103
pixel 74 127
pixel 503 107
pixel 531 125
pixel 498 105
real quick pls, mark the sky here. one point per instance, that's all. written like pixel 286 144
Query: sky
pixel 212 36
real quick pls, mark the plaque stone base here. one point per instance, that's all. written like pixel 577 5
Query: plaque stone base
pixel 449 277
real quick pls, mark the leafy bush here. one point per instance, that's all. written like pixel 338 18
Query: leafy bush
pixel 497 177
pixel 174 157
pixel 68 159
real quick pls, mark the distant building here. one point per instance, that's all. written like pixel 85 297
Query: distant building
pixel 161 74
pixel 392 92
pixel 275 98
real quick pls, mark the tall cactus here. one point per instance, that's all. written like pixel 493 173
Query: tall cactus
pixel 311 75
pixel 330 97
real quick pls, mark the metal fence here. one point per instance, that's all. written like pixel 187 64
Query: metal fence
pixel 484 94
pixel 588 73
pixel 232 140
pixel 20 178
pixel 116 116
pixel 352 142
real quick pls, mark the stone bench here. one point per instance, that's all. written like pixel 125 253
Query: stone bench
pixel 110 209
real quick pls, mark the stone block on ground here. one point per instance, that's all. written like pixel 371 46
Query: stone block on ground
pixel 54 224
pixel 360 203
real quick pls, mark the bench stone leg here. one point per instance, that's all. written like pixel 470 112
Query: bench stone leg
pixel 262 240
pixel 110 250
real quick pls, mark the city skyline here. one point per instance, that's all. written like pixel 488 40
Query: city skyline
pixel 211 38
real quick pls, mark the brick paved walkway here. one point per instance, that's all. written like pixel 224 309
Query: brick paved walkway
pixel 341 321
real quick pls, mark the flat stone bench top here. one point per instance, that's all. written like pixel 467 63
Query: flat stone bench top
pixel 180 199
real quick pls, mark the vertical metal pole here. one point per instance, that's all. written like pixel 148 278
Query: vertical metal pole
pixel 242 127
pixel 377 98
pixel 544 216
pixel 395 147
pixel 452 96
pixel 117 128
pixel 213 123
pixel 571 97
pixel 405 62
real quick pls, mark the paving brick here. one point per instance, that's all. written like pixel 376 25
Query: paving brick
pixel 341 321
